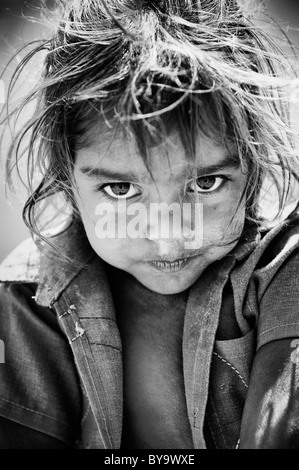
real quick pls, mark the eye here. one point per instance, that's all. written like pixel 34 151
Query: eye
pixel 120 190
pixel 207 184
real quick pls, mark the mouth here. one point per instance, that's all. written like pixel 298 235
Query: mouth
pixel 172 266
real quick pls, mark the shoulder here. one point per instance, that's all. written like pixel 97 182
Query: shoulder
pixel 264 253
pixel 33 261
pixel 280 242
pixel 52 264
pixel 278 254
pixel 22 264
pixel 276 284
pixel 261 258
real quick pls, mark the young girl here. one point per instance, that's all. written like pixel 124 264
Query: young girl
pixel 117 333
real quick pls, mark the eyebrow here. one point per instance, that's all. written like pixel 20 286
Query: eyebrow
pixel 229 162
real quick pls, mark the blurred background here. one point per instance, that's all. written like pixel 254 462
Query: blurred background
pixel 19 24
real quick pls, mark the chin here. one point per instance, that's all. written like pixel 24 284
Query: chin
pixel 167 286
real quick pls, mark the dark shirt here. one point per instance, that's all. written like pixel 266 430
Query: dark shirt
pixel 40 394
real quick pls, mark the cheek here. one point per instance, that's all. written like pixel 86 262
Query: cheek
pixel 86 202
pixel 224 219
pixel 109 249
pixel 113 250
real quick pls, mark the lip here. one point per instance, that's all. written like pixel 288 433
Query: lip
pixel 172 266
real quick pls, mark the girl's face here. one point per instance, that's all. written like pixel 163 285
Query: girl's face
pixel 110 175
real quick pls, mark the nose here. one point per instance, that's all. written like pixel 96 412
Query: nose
pixel 168 222
pixel 175 225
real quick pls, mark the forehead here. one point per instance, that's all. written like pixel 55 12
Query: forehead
pixel 114 150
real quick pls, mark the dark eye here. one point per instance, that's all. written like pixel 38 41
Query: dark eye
pixel 120 190
pixel 207 184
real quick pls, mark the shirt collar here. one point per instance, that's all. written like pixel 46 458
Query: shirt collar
pixel 247 243
pixel 69 253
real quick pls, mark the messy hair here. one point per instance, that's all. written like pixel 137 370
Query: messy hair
pixel 151 67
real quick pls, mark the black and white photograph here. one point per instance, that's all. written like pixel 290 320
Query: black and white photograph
pixel 149 234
